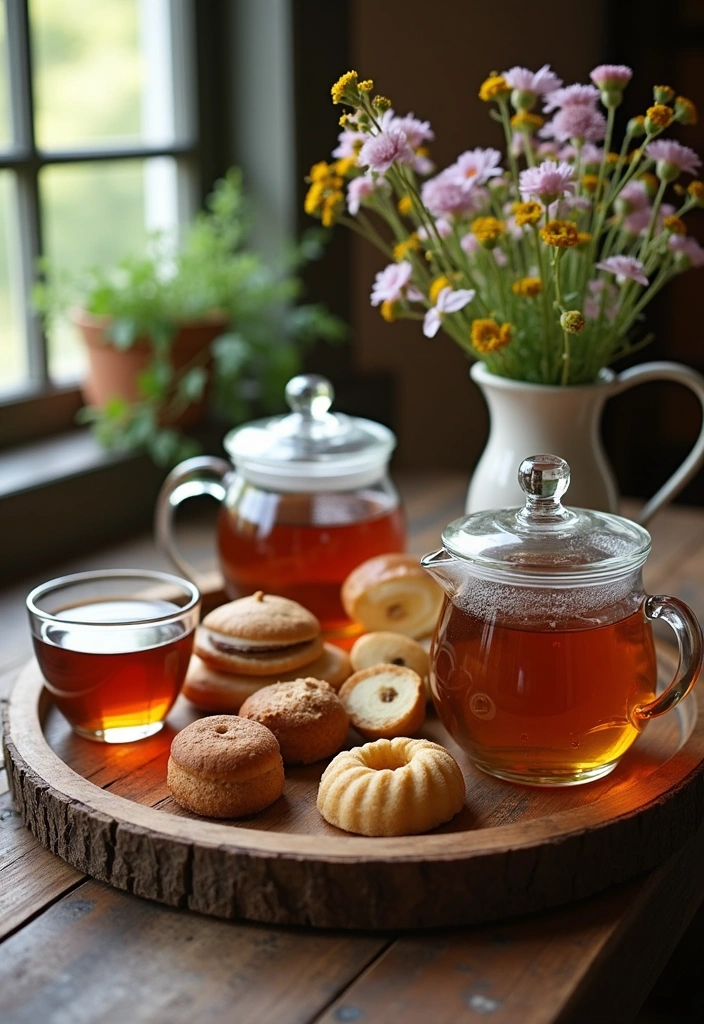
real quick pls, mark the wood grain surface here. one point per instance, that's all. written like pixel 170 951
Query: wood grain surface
pixel 74 950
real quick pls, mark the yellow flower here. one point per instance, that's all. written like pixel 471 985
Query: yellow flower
pixel 493 88
pixel 657 118
pixel 437 286
pixel 332 206
pixel 590 182
pixel 410 244
pixel 381 103
pixel 344 165
pixel 560 233
pixel 528 287
pixel 346 90
pixel 488 336
pixel 388 310
pixel 696 191
pixel 663 94
pixel 488 230
pixel 404 205
pixel 527 213
pixel 583 237
pixel 675 225
pixel 366 86
pixel 524 119
pixel 314 198
pixel 572 321
pixel 685 111
pixel 319 171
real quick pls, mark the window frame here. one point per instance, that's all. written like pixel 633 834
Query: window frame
pixel 40 407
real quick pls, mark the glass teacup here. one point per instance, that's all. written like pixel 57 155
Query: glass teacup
pixel 114 646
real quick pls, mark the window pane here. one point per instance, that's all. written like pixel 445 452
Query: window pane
pixel 4 81
pixel 103 72
pixel 93 215
pixel 13 362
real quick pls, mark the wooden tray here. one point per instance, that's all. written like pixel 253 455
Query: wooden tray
pixel 512 850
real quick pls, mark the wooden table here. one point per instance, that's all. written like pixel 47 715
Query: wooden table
pixel 74 950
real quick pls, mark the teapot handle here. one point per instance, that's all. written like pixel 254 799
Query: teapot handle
pixel 689 641
pixel 204 474
pixel 663 370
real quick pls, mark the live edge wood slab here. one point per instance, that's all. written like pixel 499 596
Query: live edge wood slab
pixel 512 850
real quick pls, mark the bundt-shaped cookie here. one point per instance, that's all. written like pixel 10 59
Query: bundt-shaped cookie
pixel 397 787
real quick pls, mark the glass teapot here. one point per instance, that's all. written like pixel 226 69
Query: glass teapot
pixel 305 500
pixel 543 660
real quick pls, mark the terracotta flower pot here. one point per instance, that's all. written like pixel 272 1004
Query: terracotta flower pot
pixel 114 372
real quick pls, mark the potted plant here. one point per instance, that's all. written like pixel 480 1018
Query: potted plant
pixel 189 325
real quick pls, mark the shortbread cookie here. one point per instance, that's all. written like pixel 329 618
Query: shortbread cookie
pixel 225 767
pixel 261 635
pixel 212 690
pixel 392 592
pixel 396 787
pixel 384 701
pixel 306 716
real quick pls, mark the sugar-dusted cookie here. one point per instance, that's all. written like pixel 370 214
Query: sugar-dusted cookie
pixel 306 716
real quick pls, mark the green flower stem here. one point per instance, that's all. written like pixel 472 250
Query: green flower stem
pixel 544 301
pixel 370 236
pixel 508 134
pixel 610 117
pixel 653 218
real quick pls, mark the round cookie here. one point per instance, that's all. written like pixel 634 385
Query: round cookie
pixel 260 635
pixel 392 592
pixel 212 690
pixel 384 701
pixel 306 716
pixel 225 767
pixel 396 787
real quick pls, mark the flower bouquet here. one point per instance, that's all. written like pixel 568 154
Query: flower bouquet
pixel 539 263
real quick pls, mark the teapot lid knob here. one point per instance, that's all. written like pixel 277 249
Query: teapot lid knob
pixel 310 394
pixel 544 479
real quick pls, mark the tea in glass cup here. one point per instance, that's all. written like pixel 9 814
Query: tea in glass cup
pixel 114 646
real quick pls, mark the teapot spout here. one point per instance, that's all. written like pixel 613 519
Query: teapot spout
pixel 444 568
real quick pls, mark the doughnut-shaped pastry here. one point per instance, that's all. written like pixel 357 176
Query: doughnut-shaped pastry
pixel 398 787
pixel 384 701
pixel 306 716
pixel 392 592
pixel 225 767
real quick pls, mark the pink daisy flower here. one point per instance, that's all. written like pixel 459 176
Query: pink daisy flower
pixel 633 196
pixel 540 82
pixel 611 76
pixel 382 151
pixel 549 181
pixel 417 132
pixel 626 268
pixel 591 154
pixel 390 283
pixel 348 143
pixel 444 196
pixel 688 250
pixel 476 166
pixel 448 301
pixel 674 154
pixel 358 190
pixel 576 122
pixel 572 96
pixel 469 243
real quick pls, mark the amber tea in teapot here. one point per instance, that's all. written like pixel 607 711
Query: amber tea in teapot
pixel 306 499
pixel 543 659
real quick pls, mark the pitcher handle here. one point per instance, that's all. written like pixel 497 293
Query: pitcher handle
pixel 664 370
pixel 686 627
pixel 203 474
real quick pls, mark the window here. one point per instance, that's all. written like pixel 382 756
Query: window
pixel 97 142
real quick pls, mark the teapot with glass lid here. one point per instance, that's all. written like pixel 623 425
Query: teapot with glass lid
pixel 306 498
pixel 543 659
